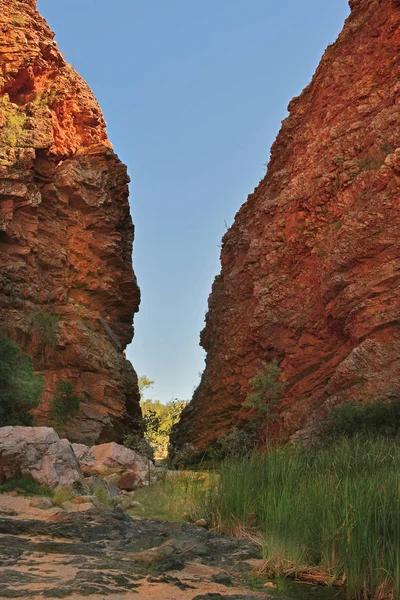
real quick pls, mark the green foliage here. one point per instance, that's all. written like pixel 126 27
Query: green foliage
pixel 46 326
pixel 20 387
pixel 136 442
pixel 386 147
pixel 179 459
pixel 267 388
pixel 62 494
pixel 47 98
pixel 102 495
pixel 337 225
pixel 18 20
pixel 13 132
pixel 352 418
pixel 232 445
pixel 370 163
pixel 64 405
pixel 144 383
pixel 158 420
pixel 179 496
pixel 26 486
pixel 335 508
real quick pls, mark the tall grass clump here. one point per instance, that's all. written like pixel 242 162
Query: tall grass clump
pixel 334 507
pixel 180 495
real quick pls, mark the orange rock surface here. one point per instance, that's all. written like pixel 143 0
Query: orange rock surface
pixel 67 289
pixel 310 268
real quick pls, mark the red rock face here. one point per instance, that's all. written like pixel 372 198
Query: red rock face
pixel 67 289
pixel 310 268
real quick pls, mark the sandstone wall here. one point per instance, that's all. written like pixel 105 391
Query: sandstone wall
pixel 67 289
pixel 310 268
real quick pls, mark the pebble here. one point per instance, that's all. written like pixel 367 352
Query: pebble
pixel 271 585
pixel 201 523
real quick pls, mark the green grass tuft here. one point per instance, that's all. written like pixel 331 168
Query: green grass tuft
pixel 182 495
pixel 25 486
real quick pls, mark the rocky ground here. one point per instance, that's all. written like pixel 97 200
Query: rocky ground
pixel 105 553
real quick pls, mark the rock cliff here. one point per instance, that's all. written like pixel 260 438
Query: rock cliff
pixel 310 268
pixel 67 289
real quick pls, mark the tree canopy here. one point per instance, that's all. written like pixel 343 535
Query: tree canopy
pixel 20 387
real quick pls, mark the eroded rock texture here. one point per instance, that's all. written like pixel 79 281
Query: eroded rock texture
pixel 67 289
pixel 310 268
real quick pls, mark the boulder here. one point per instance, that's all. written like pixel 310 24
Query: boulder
pixel 85 458
pixel 130 480
pixel 71 507
pixel 39 453
pixel 112 458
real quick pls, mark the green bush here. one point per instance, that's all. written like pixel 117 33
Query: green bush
pixel 354 418
pixel 267 388
pixel 134 441
pixel 26 486
pixel 64 406
pixel 13 132
pixel 46 326
pixel 158 421
pixel 234 444
pixel 62 494
pixel 20 387
pixel 101 494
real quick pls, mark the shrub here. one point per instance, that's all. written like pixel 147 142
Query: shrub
pixel 354 418
pixel 158 421
pixel 134 441
pixel 183 457
pixel 64 405
pixel 234 444
pixel 61 495
pixel 26 486
pixel 46 326
pixel 20 387
pixel 13 131
pixel 102 495
pixel 267 387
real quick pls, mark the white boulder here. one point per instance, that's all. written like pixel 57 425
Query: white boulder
pixel 38 452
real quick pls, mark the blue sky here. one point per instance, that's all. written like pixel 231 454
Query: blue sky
pixel 193 92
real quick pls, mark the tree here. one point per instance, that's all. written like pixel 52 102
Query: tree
pixel 64 406
pixel 144 382
pixel 158 420
pixel 20 387
pixel 268 387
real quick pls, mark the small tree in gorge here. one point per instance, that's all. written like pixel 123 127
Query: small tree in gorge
pixel 267 389
pixel 20 387
pixel 64 405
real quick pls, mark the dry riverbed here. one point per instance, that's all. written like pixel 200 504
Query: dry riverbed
pixel 104 553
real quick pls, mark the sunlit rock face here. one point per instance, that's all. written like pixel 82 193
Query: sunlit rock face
pixel 67 289
pixel 310 268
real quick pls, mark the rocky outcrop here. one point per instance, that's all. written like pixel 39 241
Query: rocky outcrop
pixel 67 289
pixel 131 469
pixel 106 554
pixel 310 268
pixel 39 453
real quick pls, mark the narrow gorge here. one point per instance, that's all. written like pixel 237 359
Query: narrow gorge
pixel 310 267
pixel 68 292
